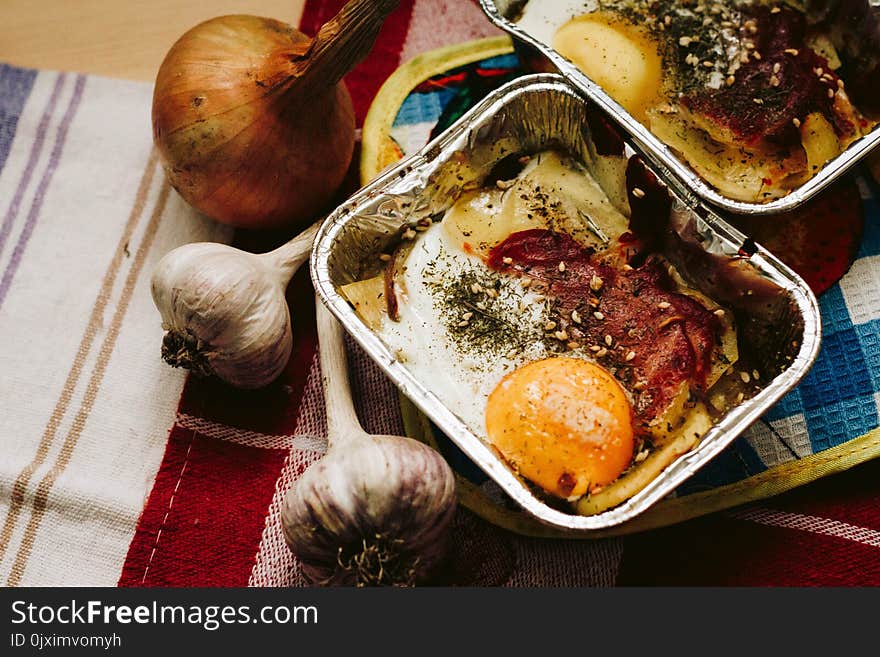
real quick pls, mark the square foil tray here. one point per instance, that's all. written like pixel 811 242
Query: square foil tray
pixel 776 314
pixel 537 55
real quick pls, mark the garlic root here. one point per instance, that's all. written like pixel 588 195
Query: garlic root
pixel 376 509
pixel 224 309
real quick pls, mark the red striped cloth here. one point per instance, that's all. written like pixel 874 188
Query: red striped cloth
pixel 212 516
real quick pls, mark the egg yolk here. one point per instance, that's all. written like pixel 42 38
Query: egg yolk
pixel 619 57
pixel 564 424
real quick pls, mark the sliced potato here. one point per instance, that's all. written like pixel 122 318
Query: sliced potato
pixel 368 298
pixel 640 475
pixel 562 197
pixel 819 141
pixel 736 172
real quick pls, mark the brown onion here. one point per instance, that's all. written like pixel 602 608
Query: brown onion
pixel 251 119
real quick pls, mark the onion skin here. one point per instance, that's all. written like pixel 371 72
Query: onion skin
pixel 242 139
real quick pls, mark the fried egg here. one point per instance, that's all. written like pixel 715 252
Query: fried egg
pixel 564 423
pixel 487 344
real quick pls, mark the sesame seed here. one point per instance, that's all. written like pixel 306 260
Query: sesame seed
pixel 774 81
pixel 481 305
pixel 492 293
pixel 384 257
pixel 730 80
pixel 791 51
pixel 667 19
pixel 505 184
pixel 573 345
pixel 507 260
pixel 831 93
pixel 629 356
pixel 839 83
pixel 758 101
pixel 598 315
pixel 776 67
pixel 627 267
pixel 602 353
pixel 561 335
pixel 684 41
pixel 549 326
pixel 756 55
pixel 740 397
pixel 818 71
pixel 561 266
pixel 596 283
pixel 467 316
pixel 594 348
pixel 663 305
pixel 745 377
pixel 638 192
pixel 756 375
pixel 719 312
pixel 775 10
pixel 642 455
pixel 609 340
pixel 797 122
pixel 575 317
pixel 708 64
pixel 476 288
pixel 463 323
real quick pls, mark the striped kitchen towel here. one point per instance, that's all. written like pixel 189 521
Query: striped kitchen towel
pixel 84 406
pixel 95 489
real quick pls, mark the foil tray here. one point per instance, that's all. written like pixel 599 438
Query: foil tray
pixel 777 315
pixel 537 55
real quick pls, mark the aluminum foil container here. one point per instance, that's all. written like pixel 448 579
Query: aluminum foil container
pixel 777 315
pixel 538 55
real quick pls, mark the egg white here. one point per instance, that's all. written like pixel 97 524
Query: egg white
pixel 422 339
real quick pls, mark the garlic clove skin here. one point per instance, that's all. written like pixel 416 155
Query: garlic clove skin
pixel 376 511
pixel 225 313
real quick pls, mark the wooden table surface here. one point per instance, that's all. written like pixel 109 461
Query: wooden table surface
pixel 117 38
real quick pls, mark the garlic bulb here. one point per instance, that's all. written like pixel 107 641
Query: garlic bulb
pixel 224 309
pixel 377 509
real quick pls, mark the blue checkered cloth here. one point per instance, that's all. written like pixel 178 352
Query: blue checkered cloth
pixel 837 401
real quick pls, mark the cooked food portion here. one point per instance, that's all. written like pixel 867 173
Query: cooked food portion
pixel 564 423
pixel 620 57
pixel 533 310
pixel 753 95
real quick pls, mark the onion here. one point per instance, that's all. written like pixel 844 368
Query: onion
pixel 251 119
